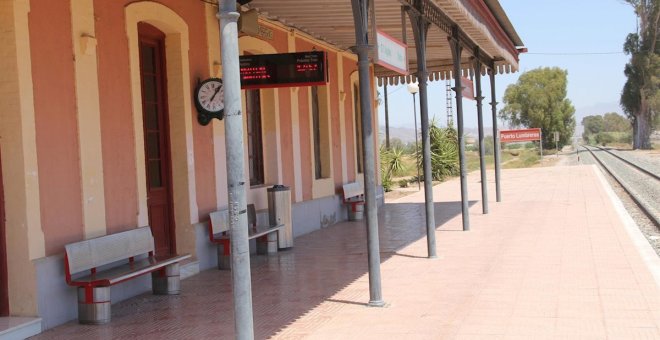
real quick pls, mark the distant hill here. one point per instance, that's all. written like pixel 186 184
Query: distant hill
pixel 407 135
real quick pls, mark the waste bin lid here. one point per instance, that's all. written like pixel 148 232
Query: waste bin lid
pixel 278 187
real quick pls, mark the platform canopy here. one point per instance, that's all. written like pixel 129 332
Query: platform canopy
pixel 481 23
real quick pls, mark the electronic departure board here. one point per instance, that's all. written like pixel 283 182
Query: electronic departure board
pixel 284 70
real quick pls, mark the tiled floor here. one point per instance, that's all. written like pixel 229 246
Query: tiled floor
pixel 553 260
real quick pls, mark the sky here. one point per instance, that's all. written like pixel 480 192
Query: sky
pixel 584 37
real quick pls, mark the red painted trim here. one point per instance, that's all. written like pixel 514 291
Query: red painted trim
pixel 225 247
pixel 97 283
pixel 493 25
pixel 392 67
pixel 252 87
pixel 388 65
pixel 67 272
pixel 211 231
pixel 523 135
pixel 394 40
pixel 89 294
pixel 94 302
pixel 223 241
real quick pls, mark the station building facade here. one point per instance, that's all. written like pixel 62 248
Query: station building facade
pixel 98 134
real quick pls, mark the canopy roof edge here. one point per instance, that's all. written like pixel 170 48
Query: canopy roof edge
pixel 481 23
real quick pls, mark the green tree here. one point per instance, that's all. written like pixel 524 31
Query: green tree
pixel 593 125
pixel 640 99
pixel 538 100
pixel 613 122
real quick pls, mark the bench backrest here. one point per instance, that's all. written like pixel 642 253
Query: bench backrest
pixel 96 252
pixel 220 220
pixel 352 190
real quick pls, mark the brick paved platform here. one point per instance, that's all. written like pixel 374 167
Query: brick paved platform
pixel 555 260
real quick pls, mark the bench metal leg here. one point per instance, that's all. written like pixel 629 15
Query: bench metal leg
pixel 224 260
pixel 267 244
pixel 356 211
pixel 272 243
pixel 166 281
pixel 94 305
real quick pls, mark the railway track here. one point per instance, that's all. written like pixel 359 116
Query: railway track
pixel 641 183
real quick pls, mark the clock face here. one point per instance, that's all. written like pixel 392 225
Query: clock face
pixel 210 96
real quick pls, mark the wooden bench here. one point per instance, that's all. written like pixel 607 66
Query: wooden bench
pixel 354 198
pixel 219 233
pixel 96 264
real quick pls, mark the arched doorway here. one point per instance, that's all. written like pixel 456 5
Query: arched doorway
pixel 156 137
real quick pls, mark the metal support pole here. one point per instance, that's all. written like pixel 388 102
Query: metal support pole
pixel 416 143
pixel 420 29
pixel 480 118
pixel 456 51
pixel 387 117
pixel 361 19
pixel 496 135
pixel 240 248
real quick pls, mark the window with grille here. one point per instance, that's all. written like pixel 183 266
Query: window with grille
pixel 358 127
pixel 255 141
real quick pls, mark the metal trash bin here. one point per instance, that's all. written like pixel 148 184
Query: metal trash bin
pixel 279 212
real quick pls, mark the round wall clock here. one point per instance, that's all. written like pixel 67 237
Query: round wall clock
pixel 209 100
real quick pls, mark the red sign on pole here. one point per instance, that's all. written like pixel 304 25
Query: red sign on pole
pixel 525 135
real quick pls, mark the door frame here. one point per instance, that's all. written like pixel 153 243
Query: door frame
pixel 152 35
pixel 4 277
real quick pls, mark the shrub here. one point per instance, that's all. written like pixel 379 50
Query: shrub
pixel 403 183
pixel 387 184
pixel 444 152
pixel 391 164
pixel 604 138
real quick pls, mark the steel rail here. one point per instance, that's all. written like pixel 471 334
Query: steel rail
pixel 642 205
pixel 636 166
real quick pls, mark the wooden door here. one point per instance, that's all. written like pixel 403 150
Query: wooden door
pixel 4 289
pixel 156 138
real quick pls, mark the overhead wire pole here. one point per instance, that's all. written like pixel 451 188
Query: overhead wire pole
pixel 480 117
pixel 456 50
pixel 496 135
pixel 361 19
pixel 420 29
pixel 240 251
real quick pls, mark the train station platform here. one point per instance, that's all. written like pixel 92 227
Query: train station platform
pixel 558 259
